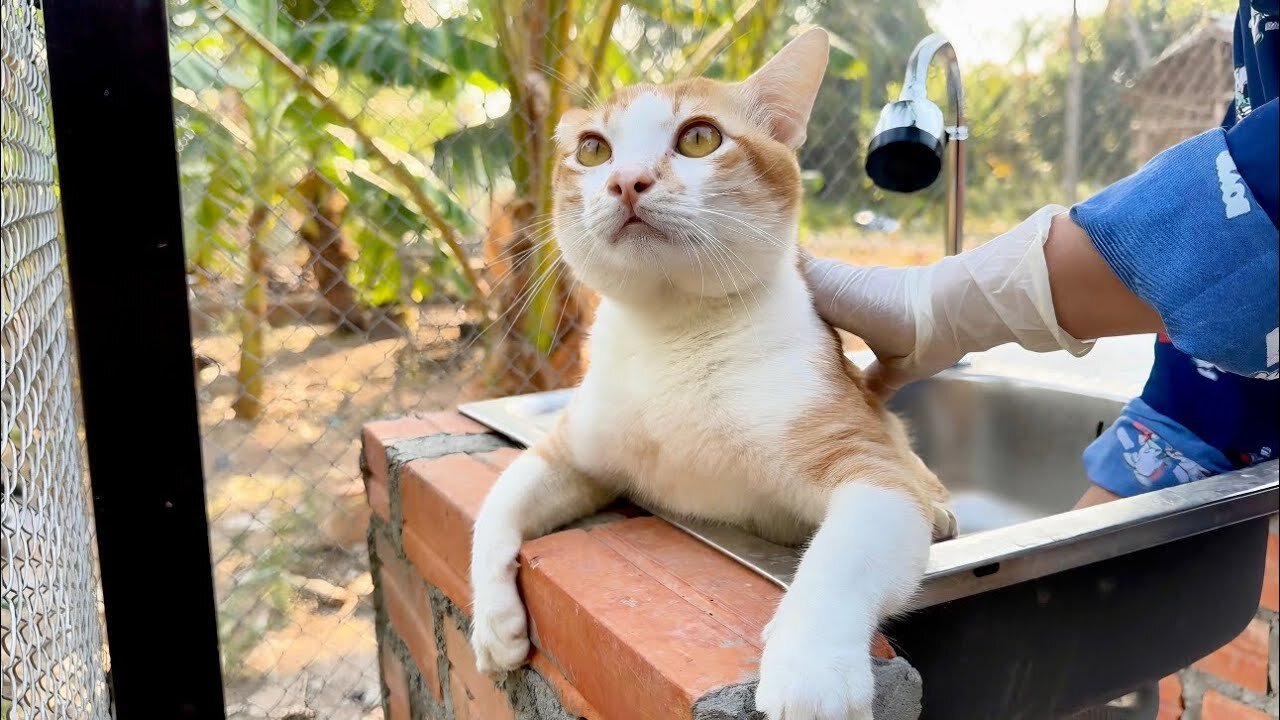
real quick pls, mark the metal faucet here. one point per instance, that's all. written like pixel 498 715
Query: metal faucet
pixel 906 150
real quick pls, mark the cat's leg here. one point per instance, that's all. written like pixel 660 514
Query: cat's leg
pixel 863 564
pixel 537 493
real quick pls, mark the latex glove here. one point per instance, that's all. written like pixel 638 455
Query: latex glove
pixel 920 320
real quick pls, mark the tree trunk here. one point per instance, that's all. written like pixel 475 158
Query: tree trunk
pixel 330 254
pixel 1071 145
pixel 248 405
pixel 539 341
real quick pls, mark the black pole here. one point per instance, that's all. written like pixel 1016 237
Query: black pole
pixel 118 170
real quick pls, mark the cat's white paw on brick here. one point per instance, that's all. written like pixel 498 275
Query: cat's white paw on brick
pixel 499 633
pixel 814 679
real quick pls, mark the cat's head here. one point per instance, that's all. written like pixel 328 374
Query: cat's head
pixel 688 189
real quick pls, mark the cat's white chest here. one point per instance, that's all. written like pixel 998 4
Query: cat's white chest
pixel 695 421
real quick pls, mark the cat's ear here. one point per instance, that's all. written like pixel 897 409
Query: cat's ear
pixel 787 85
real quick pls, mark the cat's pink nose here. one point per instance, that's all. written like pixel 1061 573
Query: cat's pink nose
pixel 627 185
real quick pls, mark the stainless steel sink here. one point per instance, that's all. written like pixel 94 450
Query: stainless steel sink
pixel 1076 602
pixel 1009 451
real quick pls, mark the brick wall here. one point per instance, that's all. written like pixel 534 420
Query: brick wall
pixel 1239 680
pixel 420 585
pixel 679 622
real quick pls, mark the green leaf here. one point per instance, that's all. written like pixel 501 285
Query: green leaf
pixel 476 155
pixel 392 52
pixel 849 68
pixel 422 288
pixel 680 14
pixel 618 67
pixel 448 273
pixel 453 213
pixel 378 206
pixel 195 71
pixel 376 271
pixel 311 122
pixel 305 11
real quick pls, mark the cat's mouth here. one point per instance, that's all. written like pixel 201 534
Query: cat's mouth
pixel 636 228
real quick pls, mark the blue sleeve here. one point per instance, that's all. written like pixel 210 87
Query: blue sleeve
pixel 1145 451
pixel 1253 145
pixel 1190 235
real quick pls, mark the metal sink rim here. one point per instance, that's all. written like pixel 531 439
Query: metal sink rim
pixel 1000 557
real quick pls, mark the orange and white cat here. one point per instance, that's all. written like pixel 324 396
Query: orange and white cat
pixel 715 391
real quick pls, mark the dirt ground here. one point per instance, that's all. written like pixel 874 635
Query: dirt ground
pixel 287 513
pixel 286 500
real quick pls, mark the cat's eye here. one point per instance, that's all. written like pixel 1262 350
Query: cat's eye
pixel 593 150
pixel 699 139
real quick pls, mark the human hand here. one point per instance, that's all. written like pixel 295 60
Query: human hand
pixel 878 304
pixel 920 320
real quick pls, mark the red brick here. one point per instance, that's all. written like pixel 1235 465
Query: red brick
pixel 1271 574
pixel 1171 705
pixel 1243 661
pixel 662 651
pixel 379 496
pixel 409 609
pixel 393 674
pixel 455 423
pixel 570 699
pixel 440 499
pixel 731 593
pixel 499 459
pixel 377 436
pixel 475 696
pixel 674 617
pixel 1217 706
pixel 455 586
pixel 381 433
pixel 724 589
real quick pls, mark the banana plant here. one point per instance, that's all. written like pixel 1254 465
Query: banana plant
pixel 259 132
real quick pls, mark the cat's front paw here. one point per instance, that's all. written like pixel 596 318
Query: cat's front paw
pixel 499 631
pixel 807 674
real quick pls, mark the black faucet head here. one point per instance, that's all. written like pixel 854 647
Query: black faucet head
pixel 904 159
pixel 905 154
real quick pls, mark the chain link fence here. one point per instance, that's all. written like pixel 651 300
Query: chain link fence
pixel 364 191
pixel 52 658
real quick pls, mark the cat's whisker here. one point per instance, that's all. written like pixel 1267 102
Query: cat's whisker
pixel 550 275
pixel 517 253
pixel 570 84
pixel 518 306
pixel 746 286
pixel 517 261
pixel 721 262
pixel 751 230
pixel 536 240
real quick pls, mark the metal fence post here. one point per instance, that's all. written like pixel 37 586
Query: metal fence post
pixel 113 119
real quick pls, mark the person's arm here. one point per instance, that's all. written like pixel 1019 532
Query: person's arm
pixel 1193 235
pixel 1089 300
pixel 1095 495
pixel 1171 247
